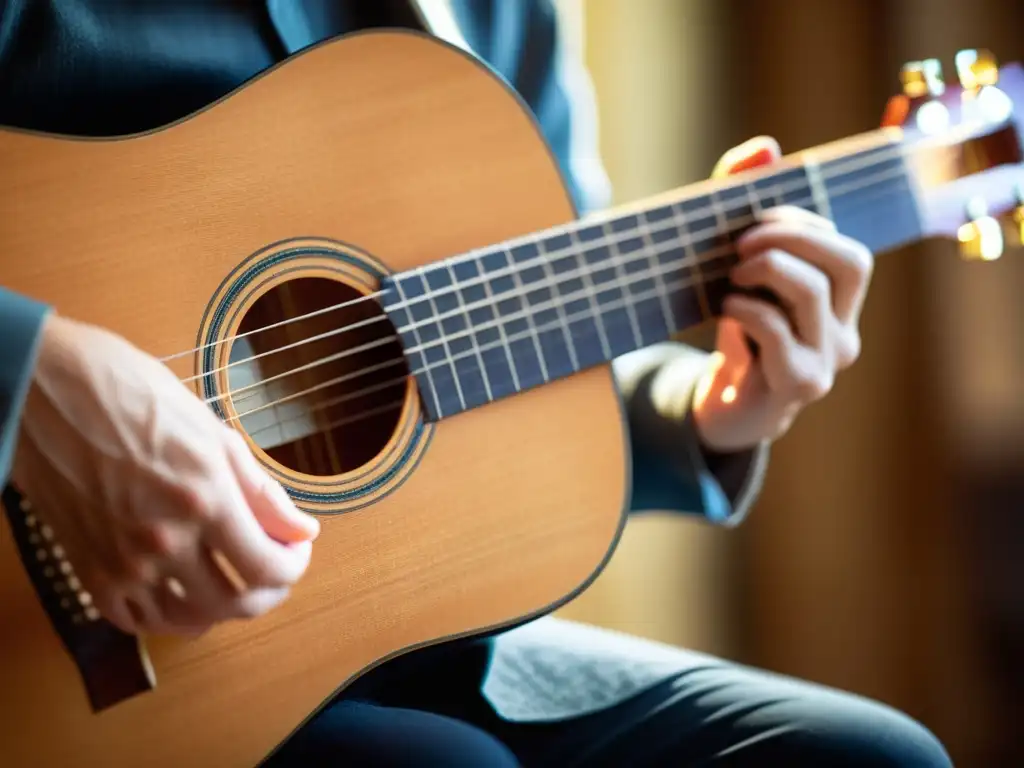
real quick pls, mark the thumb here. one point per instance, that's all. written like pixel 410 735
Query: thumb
pixel 270 504
pixel 753 153
pixel 732 345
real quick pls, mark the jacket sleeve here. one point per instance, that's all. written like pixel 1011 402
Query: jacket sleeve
pixel 21 320
pixel 522 41
pixel 672 470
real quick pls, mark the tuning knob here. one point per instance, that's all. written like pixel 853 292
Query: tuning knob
pixel 976 69
pixel 981 239
pixel 1018 214
pixel 922 79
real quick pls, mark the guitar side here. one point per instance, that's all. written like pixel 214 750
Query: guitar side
pixel 383 151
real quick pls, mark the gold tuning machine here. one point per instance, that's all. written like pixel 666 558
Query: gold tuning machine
pixel 976 69
pixel 1018 214
pixel 981 238
pixel 922 79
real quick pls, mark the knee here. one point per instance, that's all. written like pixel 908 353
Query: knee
pixel 866 733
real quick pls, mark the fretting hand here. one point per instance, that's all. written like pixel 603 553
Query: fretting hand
pixel 821 278
pixel 148 492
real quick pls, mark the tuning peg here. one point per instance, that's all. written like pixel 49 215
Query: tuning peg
pixel 976 69
pixel 922 79
pixel 1018 214
pixel 981 239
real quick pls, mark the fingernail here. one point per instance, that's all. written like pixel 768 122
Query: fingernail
pixel 756 159
pixel 302 519
pixel 311 523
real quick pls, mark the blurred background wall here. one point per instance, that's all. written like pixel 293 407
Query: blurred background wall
pixel 882 555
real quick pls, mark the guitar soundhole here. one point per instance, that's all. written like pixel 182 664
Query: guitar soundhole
pixel 319 379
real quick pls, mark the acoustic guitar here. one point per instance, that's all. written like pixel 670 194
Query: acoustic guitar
pixel 367 261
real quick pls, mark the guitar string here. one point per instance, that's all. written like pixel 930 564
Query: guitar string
pixel 694 260
pixel 396 404
pixel 450 360
pixel 349 396
pixel 674 222
pixel 839 168
pixel 561 300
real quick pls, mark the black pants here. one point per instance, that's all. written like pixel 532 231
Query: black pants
pixel 713 714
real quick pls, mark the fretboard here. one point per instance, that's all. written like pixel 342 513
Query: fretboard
pixel 504 319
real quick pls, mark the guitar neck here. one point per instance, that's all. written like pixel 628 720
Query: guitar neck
pixel 516 315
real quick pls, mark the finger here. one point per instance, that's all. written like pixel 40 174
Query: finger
pixel 796 215
pixel 791 370
pixel 259 560
pixel 191 605
pixel 148 607
pixel 846 262
pixel 271 505
pixel 732 344
pixel 122 607
pixel 753 153
pixel 897 109
pixel 804 289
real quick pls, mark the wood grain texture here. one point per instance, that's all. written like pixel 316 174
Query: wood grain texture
pixel 411 152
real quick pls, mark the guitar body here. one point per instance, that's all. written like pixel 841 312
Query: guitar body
pixel 365 156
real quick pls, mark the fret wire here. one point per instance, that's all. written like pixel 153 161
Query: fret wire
pixel 755 201
pixel 663 295
pixel 590 288
pixel 616 258
pixel 529 316
pixel 444 339
pixel 692 261
pixel 817 184
pixel 472 336
pixel 719 212
pixel 560 308
pixel 501 327
pixel 432 384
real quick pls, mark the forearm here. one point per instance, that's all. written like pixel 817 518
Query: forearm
pixel 672 470
pixel 21 322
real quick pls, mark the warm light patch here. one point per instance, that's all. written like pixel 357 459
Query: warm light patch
pixel 729 394
pixel 932 118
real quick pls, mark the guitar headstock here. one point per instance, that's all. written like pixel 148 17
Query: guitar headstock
pixel 965 150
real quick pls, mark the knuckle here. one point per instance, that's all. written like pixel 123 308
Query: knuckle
pixel 819 283
pixel 813 388
pixel 814 288
pixel 848 349
pixel 863 261
pixel 128 567
pixel 158 538
pixel 257 603
pixel 772 263
pixel 811 383
pixel 194 505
